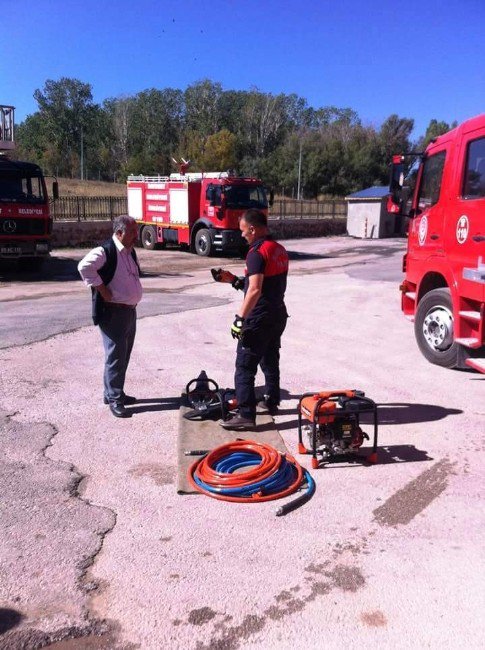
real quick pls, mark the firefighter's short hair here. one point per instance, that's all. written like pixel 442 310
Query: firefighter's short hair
pixel 256 218
pixel 121 223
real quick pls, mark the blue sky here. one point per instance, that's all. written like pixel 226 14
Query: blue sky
pixel 418 59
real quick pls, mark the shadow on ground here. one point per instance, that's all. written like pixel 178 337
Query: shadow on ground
pixel 54 269
pixel 155 404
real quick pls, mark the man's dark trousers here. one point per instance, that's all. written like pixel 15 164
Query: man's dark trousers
pixel 260 345
pixel 118 328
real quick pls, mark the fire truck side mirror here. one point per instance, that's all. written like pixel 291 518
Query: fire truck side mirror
pixel 55 190
pixel 397 178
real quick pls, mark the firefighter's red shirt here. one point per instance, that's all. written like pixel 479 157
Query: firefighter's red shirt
pixel 270 259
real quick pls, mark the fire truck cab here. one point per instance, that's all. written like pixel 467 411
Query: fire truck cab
pixel 198 210
pixel 25 223
pixel 443 197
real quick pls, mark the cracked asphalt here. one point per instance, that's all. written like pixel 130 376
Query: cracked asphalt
pixel 98 551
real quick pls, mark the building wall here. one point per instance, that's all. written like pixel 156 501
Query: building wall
pixel 369 219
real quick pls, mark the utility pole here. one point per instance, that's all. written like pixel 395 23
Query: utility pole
pixel 299 173
pixel 82 155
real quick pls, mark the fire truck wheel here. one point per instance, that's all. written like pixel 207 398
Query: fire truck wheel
pixel 149 238
pixel 433 328
pixel 203 242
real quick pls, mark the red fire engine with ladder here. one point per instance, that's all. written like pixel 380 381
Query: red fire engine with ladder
pixel 25 222
pixel 443 196
pixel 200 211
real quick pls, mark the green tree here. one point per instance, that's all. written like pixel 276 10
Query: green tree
pixel 66 110
pixel 434 129
pixel 202 107
pixel 220 151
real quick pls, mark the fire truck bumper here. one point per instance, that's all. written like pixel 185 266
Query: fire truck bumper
pixel 227 240
pixel 15 249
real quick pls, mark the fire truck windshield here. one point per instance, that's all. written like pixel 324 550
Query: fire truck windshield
pixel 243 197
pixel 21 187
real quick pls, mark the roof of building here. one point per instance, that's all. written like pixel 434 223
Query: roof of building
pixel 375 192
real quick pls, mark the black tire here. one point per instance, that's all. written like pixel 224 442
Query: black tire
pixel 433 328
pixel 203 243
pixel 149 238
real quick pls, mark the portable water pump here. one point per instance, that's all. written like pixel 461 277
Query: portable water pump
pixel 331 422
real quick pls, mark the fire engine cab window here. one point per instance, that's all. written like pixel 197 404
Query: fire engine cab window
pixel 474 186
pixel 244 197
pixel 21 189
pixel 429 192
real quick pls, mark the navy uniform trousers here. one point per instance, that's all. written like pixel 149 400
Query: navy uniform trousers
pixel 260 345
pixel 118 329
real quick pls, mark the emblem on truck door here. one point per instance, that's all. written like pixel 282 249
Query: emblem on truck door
pixel 462 227
pixel 423 230
pixel 9 226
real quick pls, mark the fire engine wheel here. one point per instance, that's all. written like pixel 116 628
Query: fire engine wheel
pixel 433 327
pixel 203 243
pixel 149 238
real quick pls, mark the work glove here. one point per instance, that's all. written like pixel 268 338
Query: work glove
pixel 220 275
pixel 237 327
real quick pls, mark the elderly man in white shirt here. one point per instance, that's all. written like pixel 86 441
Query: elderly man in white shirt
pixel 112 272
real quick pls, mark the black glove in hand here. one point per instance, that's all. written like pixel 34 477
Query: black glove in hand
pixel 238 283
pixel 237 327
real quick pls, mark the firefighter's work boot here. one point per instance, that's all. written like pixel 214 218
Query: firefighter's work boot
pixel 267 407
pixel 237 423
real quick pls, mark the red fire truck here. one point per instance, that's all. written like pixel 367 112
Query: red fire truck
pixel 443 196
pixel 25 223
pixel 198 210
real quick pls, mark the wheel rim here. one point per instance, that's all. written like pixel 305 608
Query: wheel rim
pixel 203 244
pixel 438 328
pixel 148 237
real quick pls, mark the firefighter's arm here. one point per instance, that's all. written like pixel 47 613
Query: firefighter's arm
pixel 252 294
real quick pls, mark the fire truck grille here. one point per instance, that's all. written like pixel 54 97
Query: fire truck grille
pixel 15 227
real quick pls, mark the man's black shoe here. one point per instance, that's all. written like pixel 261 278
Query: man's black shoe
pixel 119 411
pixel 125 399
pixel 267 407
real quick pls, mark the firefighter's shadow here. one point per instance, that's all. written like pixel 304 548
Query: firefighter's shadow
pixel 396 413
pixel 405 413
pixel 389 414
pixel 155 404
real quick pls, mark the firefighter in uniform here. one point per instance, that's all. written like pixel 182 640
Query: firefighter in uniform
pixel 261 319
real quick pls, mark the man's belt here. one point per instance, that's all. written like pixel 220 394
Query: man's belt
pixel 121 305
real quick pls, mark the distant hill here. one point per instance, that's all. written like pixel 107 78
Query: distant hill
pixel 76 187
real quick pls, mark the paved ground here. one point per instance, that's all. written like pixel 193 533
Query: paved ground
pixel 98 550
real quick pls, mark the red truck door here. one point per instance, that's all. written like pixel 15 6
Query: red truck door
pixel 427 228
pixel 465 228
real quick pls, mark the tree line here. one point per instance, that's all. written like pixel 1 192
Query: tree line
pixel 278 138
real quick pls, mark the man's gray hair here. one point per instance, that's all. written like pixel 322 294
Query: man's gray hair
pixel 121 223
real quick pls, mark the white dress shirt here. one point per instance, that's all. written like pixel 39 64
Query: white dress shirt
pixel 125 286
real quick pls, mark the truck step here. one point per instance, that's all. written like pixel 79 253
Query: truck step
pixel 471 315
pixel 411 295
pixel 469 343
pixel 476 364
